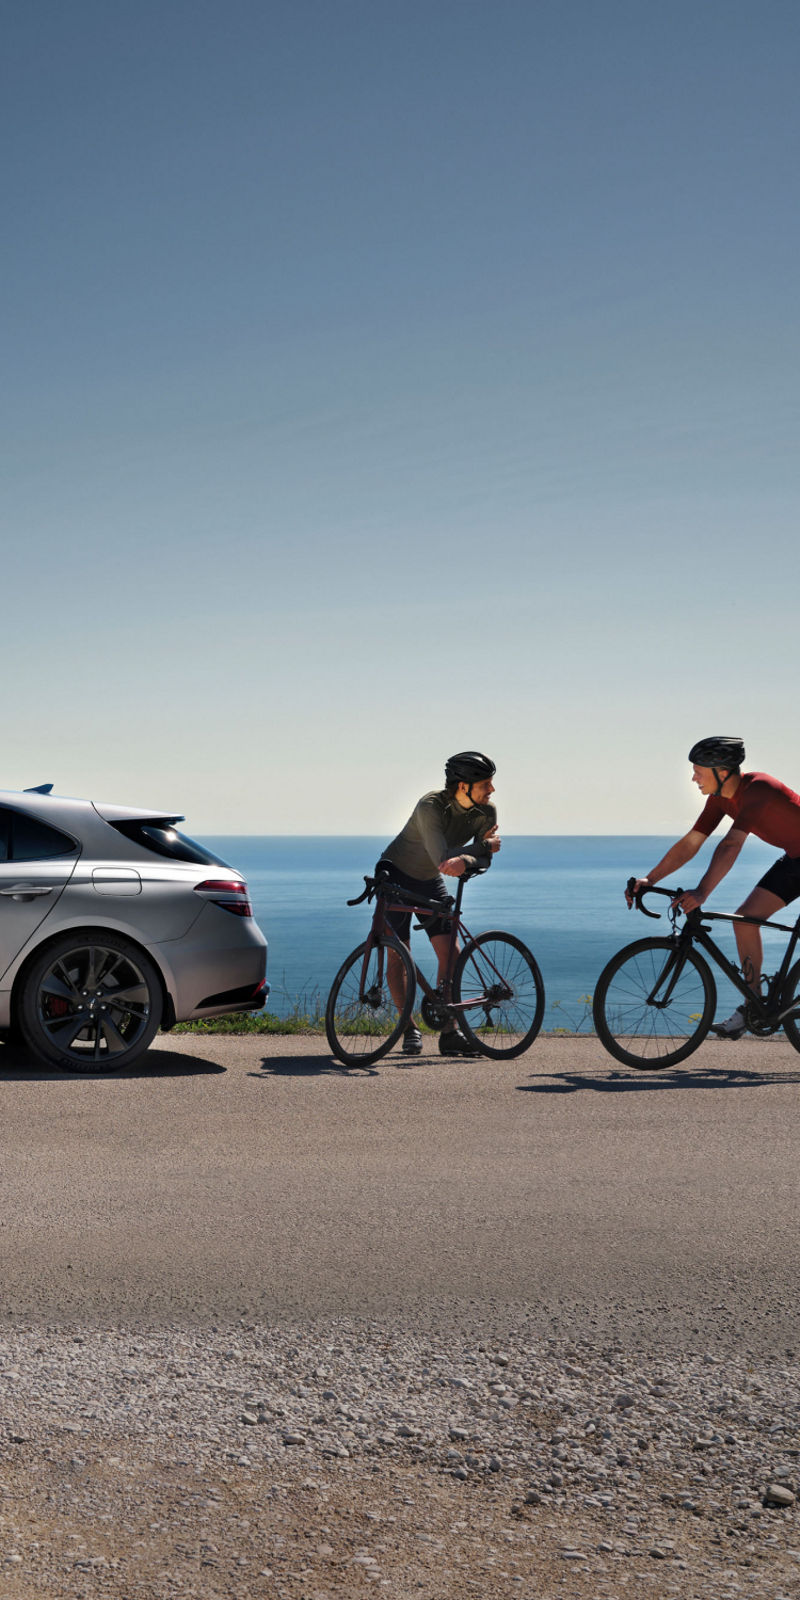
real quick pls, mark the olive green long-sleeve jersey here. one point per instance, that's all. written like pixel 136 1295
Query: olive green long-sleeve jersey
pixel 437 829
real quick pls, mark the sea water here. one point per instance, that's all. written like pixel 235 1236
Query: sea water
pixel 563 896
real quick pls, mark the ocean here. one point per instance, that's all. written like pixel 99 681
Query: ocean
pixel 562 895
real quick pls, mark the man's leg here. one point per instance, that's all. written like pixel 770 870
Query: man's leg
pixel 452 1042
pixel 441 946
pixel 395 975
pixel 396 979
pixel 763 904
pixel 760 903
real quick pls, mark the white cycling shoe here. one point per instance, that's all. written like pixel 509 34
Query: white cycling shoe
pixel 732 1028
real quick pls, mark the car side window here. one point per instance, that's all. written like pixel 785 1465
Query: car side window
pixel 5 831
pixel 28 839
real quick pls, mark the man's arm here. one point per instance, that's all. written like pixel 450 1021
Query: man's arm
pixel 721 862
pixel 675 858
pixel 486 843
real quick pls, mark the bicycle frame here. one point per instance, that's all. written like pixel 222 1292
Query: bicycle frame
pixel 765 1010
pixel 381 929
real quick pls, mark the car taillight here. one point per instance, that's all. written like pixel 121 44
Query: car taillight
pixel 229 893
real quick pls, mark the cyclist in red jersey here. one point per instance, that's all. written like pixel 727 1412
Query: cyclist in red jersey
pixel 757 804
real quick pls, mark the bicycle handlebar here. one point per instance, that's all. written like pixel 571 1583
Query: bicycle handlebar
pixel 393 891
pixel 367 895
pixel 701 914
pixel 384 885
pixel 650 888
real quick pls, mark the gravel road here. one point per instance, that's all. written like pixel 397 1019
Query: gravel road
pixel 271 1328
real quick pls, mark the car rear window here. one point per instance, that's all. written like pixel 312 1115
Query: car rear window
pixel 164 840
pixel 25 838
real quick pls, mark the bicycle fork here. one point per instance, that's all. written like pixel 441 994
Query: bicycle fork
pixel 671 971
pixel 373 995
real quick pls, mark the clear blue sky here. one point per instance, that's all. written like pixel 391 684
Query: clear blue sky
pixel 385 377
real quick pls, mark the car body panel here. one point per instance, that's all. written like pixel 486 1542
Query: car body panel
pixel 211 959
pixel 163 907
pixel 29 894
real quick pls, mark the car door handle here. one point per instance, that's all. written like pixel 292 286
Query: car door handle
pixel 27 891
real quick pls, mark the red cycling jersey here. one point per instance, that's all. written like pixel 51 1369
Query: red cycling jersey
pixel 761 805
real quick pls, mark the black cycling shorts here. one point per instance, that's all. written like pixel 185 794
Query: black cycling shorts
pixel 783 879
pixel 430 889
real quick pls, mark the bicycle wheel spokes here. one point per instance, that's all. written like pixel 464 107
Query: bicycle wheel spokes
pixel 362 1019
pixel 647 1012
pixel 498 981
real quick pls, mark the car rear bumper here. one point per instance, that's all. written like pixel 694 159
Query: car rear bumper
pixel 245 998
pixel 220 966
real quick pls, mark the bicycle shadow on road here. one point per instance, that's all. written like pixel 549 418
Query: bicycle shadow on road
pixel 618 1081
pixel 309 1067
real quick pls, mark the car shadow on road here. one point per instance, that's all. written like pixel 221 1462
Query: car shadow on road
pixel 16 1066
pixel 616 1081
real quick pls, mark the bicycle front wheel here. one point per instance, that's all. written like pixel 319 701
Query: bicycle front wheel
pixel 654 1004
pixel 497 979
pixel 362 1019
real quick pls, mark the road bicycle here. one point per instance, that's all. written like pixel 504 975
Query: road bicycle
pixel 655 1001
pixel 492 986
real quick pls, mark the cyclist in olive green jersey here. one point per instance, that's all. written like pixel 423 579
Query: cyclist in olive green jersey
pixel 448 830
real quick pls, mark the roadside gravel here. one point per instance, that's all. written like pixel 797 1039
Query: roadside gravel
pixel 527 1330
pixel 333 1459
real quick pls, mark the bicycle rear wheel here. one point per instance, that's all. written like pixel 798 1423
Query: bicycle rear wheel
pixel 498 970
pixel 651 1033
pixel 791 996
pixel 362 1020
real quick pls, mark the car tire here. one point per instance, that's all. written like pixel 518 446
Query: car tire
pixel 91 1002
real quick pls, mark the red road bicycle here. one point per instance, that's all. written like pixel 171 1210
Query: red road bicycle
pixel 492 987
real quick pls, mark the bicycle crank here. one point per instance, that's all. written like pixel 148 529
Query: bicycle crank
pixel 434 1012
pixel 758 1025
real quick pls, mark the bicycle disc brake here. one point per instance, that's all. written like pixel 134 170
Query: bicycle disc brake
pixel 499 993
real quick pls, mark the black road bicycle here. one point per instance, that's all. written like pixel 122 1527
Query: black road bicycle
pixel 492 986
pixel 655 1001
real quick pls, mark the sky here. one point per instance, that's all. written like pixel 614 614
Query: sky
pixel 385 378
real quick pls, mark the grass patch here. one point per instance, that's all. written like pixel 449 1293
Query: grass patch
pixel 253 1022
pixel 304 1013
pixel 577 1016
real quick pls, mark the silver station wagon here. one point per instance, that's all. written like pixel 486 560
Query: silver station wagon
pixel 113 925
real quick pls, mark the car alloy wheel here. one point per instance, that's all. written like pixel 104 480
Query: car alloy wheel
pixel 92 1002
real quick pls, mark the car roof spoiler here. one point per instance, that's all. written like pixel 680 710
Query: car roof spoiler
pixel 159 819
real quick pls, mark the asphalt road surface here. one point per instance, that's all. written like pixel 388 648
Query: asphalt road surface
pixel 227 1178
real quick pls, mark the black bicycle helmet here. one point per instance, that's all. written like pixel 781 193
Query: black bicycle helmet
pixel 469 766
pixel 718 751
